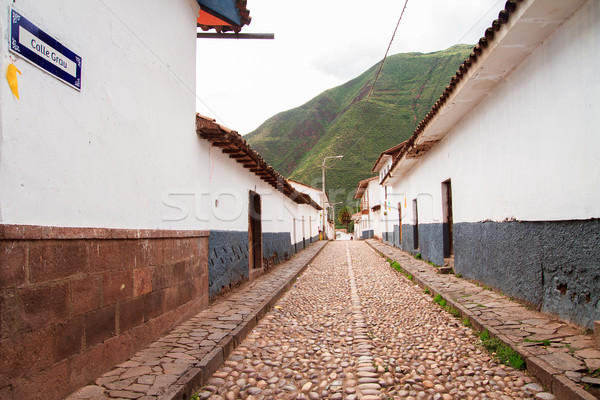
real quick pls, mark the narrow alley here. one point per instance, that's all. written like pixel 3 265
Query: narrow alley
pixel 351 327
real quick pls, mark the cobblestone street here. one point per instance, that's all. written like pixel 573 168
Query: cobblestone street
pixel 353 328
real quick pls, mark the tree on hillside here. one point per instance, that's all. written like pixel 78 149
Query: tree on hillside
pixel 344 216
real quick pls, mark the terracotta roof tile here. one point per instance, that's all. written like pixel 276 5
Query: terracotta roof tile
pixel 393 152
pixel 239 150
pixel 362 186
pixel 490 33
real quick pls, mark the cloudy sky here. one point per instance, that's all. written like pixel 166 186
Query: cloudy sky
pixel 320 44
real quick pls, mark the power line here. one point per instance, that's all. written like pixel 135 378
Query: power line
pixel 386 52
pixel 377 76
pixel 415 85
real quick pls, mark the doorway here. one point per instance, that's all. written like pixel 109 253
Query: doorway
pixel 400 224
pixel 295 241
pixel 448 220
pixel 303 234
pixel 254 231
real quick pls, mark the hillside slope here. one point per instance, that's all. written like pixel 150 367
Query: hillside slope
pixel 340 121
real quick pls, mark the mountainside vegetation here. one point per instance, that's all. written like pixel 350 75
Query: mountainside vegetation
pixel 340 121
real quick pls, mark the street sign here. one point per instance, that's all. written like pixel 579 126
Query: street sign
pixel 43 51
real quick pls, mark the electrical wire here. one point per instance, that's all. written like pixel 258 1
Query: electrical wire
pixel 387 51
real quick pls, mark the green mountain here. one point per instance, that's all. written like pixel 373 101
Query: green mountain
pixel 340 121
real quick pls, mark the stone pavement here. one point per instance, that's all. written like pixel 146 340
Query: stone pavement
pixel 556 353
pixel 180 362
pixel 354 328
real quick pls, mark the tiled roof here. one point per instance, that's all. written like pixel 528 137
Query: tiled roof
pixel 410 147
pixel 392 152
pixel 362 186
pixel 233 145
pixel 302 184
pixel 519 29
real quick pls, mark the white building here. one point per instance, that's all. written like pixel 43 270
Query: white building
pixel 391 210
pixel 368 192
pixel 256 218
pixel 112 205
pixel 503 171
pixel 317 196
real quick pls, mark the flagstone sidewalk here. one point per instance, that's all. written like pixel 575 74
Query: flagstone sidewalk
pixel 557 353
pixel 180 363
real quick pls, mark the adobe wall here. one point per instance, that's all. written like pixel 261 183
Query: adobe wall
pixel 76 301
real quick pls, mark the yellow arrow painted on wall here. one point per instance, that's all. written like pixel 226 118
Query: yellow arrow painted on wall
pixel 11 77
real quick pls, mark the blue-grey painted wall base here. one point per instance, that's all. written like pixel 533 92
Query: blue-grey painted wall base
pixel 228 256
pixel 553 265
pixel 227 259
pixel 367 234
pixel 431 242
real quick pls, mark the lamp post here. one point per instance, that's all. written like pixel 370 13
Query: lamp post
pixel 323 183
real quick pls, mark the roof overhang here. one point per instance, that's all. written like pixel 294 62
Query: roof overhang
pixel 362 186
pixel 233 145
pixel 380 162
pixel 386 155
pixel 520 28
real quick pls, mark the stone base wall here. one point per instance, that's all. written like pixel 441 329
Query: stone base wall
pixel 276 248
pixel 397 241
pixel 227 260
pixel 388 238
pixel 367 234
pixel 431 241
pixel 554 265
pixel 228 256
pixel 74 302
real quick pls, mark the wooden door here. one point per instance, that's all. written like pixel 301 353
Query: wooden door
pixel 255 231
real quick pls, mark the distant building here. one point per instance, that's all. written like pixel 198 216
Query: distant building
pixel 317 195
pixel 502 174
pixel 368 192
pixel 120 215
pixel 389 214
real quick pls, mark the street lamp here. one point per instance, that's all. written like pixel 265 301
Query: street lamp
pixel 323 183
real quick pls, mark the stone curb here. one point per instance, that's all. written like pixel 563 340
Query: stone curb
pixel 556 382
pixel 197 376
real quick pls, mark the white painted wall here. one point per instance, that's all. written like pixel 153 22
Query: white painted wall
pixel 105 156
pixel 218 200
pixel 317 196
pixel 530 150
pixel 373 189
